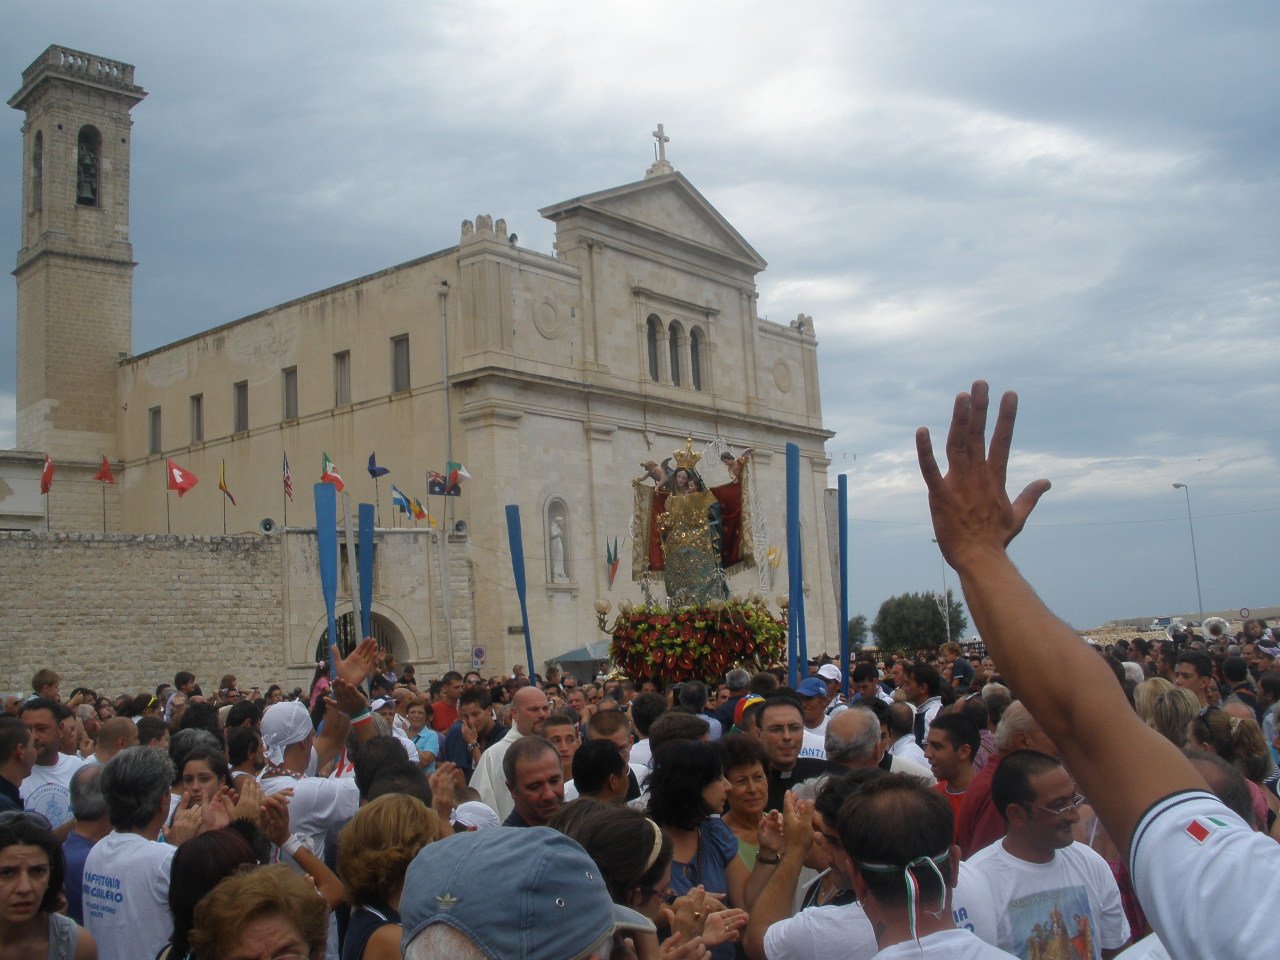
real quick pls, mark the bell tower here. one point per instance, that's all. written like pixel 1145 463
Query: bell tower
pixel 75 268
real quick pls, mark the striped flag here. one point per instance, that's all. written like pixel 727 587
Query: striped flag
pixel 329 474
pixel 398 499
pixel 420 512
pixel 288 478
pixel 222 483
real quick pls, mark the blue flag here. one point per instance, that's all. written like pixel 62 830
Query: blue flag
pixel 398 499
pixel 376 471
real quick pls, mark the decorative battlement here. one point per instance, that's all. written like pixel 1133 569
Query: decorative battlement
pixel 77 65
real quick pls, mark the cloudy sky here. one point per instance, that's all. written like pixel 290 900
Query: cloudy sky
pixel 1074 200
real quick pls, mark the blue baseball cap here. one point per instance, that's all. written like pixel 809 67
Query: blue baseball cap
pixel 518 893
pixel 812 687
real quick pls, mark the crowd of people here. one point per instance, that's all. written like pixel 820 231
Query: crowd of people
pixel 1042 798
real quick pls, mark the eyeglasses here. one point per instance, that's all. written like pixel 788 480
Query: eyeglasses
pixel 1076 800
pixel 35 819
pixel 666 895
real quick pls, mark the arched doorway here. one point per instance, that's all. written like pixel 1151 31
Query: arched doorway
pixel 381 629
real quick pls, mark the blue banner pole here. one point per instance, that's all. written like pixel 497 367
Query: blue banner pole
pixel 794 586
pixel 326 497
pixel 842 499
pixel 517 569
pixel 366 518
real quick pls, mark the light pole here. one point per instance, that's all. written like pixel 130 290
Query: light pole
pixel 944 604
pixel 1194 562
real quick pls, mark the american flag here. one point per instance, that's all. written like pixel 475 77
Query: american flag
pixel 288 478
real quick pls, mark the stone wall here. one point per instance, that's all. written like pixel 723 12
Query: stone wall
pixel 123 613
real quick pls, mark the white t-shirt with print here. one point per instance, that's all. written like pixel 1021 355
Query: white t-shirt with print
pixel 48 790
pixel 126 896
pixel 1070 903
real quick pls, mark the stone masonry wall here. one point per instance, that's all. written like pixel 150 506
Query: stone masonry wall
pixel 122 613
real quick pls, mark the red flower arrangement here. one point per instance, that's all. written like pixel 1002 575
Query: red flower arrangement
pixel 697 643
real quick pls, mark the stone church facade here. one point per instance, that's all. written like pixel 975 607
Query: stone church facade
pixel 550 376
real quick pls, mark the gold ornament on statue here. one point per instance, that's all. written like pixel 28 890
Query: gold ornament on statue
pixel 687 458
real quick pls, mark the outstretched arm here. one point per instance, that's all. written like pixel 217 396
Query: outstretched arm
pixel 1120 764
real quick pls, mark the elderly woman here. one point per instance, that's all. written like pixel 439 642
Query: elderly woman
pixel 374 851
pixel 744 768
pixel 261 912
pixel 31 876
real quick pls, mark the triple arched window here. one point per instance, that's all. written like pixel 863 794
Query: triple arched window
pixel 676 353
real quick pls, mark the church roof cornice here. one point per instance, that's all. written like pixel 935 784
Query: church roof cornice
pixel 598 206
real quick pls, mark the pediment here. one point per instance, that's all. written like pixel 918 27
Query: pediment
pixel 667 205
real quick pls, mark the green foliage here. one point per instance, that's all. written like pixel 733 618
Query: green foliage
pixel 857 632
pixel 912 621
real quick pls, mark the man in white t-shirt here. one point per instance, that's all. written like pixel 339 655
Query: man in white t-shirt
pixel 897 843
pixel 126 875
pixel 47 790
pixel 813 706
pixel 1037 891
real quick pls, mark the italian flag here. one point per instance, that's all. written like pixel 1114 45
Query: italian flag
pixel 1200 828
pixel 329 474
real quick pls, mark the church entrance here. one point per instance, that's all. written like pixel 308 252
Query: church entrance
pixel 382 629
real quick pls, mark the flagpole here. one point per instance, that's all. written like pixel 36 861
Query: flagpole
pixel 47 525
pixel 377 502
pixel 224 513
pixel 104 508
pixel 168 526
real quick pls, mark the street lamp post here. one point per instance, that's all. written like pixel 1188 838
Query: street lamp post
pixel 1194 562
pixel 945 604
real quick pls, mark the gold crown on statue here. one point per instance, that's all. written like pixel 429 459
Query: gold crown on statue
pixel 687 458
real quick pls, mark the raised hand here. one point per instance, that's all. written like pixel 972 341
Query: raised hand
pixel 356 665
pixel 971 510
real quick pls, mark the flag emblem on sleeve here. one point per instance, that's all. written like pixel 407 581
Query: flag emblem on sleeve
pixel 1200 828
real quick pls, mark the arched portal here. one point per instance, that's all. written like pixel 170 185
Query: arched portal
pixel 381 628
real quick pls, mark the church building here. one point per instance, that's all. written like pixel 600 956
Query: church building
pixel 552 376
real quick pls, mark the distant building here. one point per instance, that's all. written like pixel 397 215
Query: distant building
pixel 562 373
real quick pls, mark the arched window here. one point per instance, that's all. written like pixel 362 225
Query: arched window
pixel 677 335
pixel 88 165
pixel 695 357
pixel 653 333
pixel 558 542
pixel 37 172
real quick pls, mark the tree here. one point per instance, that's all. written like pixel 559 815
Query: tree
pixel 913 621
pixel 857 632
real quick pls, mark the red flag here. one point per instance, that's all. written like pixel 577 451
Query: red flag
pixel 104 474
pixel 46 475
pixel 180 479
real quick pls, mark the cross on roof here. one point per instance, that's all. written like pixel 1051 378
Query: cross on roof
pixel 663 140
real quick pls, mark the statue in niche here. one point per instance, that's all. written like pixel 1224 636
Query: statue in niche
pixel 691 536
pixel 558 574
